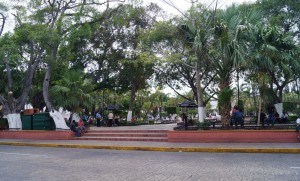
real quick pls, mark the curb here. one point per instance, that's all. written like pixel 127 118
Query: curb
pixel 161 149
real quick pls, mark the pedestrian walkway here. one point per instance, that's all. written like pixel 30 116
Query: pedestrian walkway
pixel 158 146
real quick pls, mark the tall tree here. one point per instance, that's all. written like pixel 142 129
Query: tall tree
pixel 22 48
pixel 60 18
pixel 284 14
pixel 229 54
pixel 176 68
pixel 275 53
pixel 198 32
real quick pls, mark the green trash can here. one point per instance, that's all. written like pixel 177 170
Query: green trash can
pixel 26 122
pixel 42 121
pixel 3 124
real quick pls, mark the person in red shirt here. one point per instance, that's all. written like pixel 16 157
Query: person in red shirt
pixel 81 126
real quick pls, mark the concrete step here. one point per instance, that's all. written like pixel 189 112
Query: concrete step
pixel 127 131
pixel 155 139
pixel 127 134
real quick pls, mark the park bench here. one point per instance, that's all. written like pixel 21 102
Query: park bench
pixel 250 120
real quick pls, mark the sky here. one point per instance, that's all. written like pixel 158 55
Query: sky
pixel 181 4
pixel 184 4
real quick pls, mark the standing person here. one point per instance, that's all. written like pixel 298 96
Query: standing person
pixel 262 118
pixel 110 119
pixel 271 115
pixel 298 126
pixel 98 117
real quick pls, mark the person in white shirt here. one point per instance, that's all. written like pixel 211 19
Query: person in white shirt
pixel 110 119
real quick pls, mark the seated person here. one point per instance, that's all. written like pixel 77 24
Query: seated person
pixel 238 118
pixel 178 119
pixel 298 126
pixel 116 120
pixel 75 129
pixel 285 117
pixel 81 126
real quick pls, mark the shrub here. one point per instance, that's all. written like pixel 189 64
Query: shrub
pixel 292 118
pixel 171 110
pixel 123 122
pixel 203 125
pixel 164 114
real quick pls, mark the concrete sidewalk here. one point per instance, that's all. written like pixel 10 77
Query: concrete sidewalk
pixel 158 146
pixel 161 146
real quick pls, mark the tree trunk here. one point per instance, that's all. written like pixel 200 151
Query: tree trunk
pixel 28 80
pixel 279 105
pixel 225 107
pixel 11 105
pixel 46 88
pixel 131 103
pixel 259 111
pixel 201 112
pixel 8 74
pixel 3 23
pixel 47 79
pixel 254 101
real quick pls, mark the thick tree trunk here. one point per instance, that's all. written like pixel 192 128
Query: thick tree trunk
pixel 46 88
pixel 28 80
pixel 12 105
pixel 47 79
pixel 226 105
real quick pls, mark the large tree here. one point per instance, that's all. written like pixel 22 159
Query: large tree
pixel 21 54
pixel 230 50
pixel 275 53
pixel 60 18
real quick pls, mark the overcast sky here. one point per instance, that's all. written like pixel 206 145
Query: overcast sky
pixel 184 4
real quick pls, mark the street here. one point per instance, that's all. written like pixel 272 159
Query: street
pixel 41 163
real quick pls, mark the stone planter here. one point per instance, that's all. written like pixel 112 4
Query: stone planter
pixel 39 135
pixel 234 136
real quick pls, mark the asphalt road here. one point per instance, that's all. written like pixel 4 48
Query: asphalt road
pixel 62 164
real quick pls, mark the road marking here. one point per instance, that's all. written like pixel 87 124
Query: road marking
pixel 21 154
pixel 294 167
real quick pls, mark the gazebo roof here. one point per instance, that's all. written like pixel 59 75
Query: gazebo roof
pixel 187 104
pixel 111 107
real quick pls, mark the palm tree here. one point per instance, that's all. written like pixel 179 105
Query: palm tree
pixel 197 33
pixel 274 54
pixel 229 54
pixel 73 92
